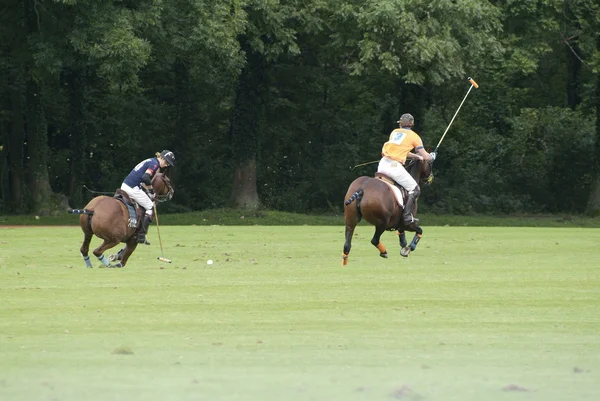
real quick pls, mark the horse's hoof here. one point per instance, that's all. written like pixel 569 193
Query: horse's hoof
pixel 405 251
pixel 116 265
pixel 383 255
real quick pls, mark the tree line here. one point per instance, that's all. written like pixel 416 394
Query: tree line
pixel 269 103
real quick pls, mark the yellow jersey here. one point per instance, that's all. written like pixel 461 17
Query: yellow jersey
pixel 401 142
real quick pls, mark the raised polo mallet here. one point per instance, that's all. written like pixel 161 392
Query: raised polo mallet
pixel 162 259
pixel 473 84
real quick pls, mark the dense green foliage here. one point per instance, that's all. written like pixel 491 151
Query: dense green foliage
pixel 268 103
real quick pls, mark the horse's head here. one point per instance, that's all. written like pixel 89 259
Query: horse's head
pixel 162 187
pixel 421 171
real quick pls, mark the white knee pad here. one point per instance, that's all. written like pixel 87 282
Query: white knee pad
pixel 416 191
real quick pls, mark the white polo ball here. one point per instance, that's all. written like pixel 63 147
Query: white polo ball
pixel 209 262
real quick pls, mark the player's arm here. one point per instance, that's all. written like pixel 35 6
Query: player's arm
pixel 147 178
pixel 411 155
pixel 423 153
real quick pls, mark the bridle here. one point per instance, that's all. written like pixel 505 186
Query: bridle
pixel 425 180
pixel 429 179
pixel 167 183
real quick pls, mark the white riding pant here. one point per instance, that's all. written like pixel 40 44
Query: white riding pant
pixel 140 197
pixel 396 171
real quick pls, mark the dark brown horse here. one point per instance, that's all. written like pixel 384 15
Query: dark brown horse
pixel 109 219
pixel 374 200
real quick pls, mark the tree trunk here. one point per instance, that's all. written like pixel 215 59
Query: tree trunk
pixel 37 151
pixel 593 206
pixel 14 154
pixel 244 195
pixel 244 131
pixel 39 197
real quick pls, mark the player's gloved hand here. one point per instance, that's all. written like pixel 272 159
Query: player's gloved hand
pixel 151 194
pixel 433 155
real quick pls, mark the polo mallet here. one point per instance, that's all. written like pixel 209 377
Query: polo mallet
pixel 162 259
pixel 98 192
pixel 473 84
pixel 364 164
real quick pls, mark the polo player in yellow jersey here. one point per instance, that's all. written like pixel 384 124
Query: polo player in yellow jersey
pixel 394 154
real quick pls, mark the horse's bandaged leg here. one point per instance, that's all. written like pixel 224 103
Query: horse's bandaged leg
pixel 402 237
pixel 382 251
pixel 86 259
pixel 104 260
pixel 415 241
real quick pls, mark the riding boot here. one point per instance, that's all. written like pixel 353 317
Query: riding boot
pixel 407 213
pixel 141 237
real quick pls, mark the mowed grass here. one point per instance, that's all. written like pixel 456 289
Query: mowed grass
pixel 473 314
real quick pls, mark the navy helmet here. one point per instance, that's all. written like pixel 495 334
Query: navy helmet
pixel 168 156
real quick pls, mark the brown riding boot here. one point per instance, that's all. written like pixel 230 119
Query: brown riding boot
pixel 141 236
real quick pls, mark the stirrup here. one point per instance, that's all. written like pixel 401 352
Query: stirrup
pixel 413 220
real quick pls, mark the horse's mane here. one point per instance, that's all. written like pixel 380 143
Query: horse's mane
pixel 415 168
pixel 412 167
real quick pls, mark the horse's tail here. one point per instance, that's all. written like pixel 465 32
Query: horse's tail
pixel 357 195
pixel 80 211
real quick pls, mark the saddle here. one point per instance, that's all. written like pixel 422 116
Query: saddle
pixel 399 191
pixel 135 211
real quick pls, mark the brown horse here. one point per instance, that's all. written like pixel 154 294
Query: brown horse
pixel 374 200
pixel 108 218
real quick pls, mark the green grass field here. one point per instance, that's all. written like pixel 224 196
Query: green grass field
pixel 473 314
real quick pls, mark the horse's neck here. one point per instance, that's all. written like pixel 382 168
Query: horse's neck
pixel 414 169
pixel 162 187
pixel 156 184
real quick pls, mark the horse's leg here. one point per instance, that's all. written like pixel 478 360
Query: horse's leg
pixel 118 256
pixel 131 245
pixel 99 252
pixel 416 238
pixel 85 248
pixel 402 238
pixel 377 243
pixel 351 216
pixel 405 251
pixel 87 238
pixel 348 244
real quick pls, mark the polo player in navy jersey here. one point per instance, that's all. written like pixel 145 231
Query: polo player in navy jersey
pixel 138 185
